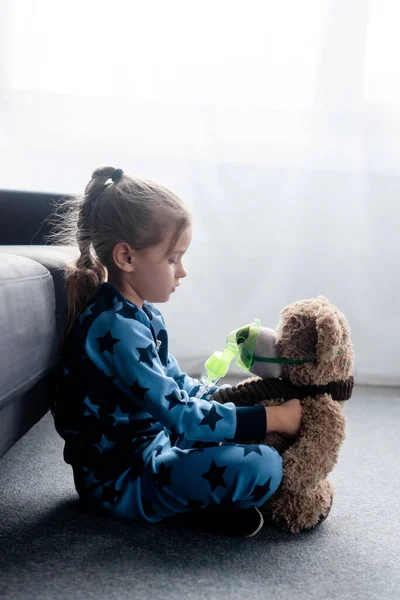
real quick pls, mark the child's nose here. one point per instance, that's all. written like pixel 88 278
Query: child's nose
pixel 181 273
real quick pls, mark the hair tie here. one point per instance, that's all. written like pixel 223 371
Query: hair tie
pixel 116 176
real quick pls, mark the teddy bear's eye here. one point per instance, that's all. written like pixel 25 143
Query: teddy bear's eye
pixel 242 335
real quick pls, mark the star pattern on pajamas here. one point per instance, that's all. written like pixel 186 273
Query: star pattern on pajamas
pixel 147 355
pixel 129 311
pixel 137 468
pixel 92 409
pixel 85 313
pixel 215 476
pixel 248 448
pixel 124 391
pixel 212 417
pixel 119 416
pixel 104 444
pixel 163 476
pixel 261 490
pixel 91 478
pixel 174 399
pixel 107 342
pixel 138 391
pixel 110 493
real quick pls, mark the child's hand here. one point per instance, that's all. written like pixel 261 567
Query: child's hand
pixel 285 418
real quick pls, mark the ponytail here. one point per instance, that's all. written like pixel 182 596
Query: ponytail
pixel 83 280
pixel 85 275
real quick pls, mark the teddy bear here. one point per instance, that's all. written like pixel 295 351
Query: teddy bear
pixel 311 358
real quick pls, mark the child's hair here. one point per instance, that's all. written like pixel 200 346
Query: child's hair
pixel 115 208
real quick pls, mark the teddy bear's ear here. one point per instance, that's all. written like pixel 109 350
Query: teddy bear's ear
pixel 329 333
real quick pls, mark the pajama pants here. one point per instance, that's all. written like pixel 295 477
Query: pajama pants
pixel 194 475
pixel 181 476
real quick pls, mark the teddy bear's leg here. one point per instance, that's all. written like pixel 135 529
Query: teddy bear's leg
pixel 321 505
pixel 300 511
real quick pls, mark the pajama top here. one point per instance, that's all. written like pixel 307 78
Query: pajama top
pixel 123 394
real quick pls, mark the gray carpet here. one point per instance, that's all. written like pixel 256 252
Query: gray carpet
pixel 50 550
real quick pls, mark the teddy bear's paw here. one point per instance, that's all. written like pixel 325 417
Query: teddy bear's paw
pixel 289 515
pixel 277 523
pixel 321 519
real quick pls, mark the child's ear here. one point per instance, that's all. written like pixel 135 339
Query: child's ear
pixel 123 257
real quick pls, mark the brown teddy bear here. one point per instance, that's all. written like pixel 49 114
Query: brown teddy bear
pixel 314 347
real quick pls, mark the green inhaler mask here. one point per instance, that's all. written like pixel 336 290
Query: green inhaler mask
pixel 240 345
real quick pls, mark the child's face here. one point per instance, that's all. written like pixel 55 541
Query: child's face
pixel 157 273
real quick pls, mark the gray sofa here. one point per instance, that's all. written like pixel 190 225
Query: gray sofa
pixel 32 315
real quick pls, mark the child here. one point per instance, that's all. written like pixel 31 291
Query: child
pixel 140 444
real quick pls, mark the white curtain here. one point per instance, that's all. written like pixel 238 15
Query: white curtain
pixel 278 123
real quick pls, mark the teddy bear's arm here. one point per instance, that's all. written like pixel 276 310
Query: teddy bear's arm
pixel 255 391
pixel 313 456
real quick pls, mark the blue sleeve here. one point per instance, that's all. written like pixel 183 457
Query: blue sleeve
pixel 184 381
pixel 124 347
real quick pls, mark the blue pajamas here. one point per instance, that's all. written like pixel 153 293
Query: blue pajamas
pixel 140 444
pixel 239 475
pixel 191 475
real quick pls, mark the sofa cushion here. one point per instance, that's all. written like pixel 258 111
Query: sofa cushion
pixel 28 337
pixel 28 340
pixel 54 259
